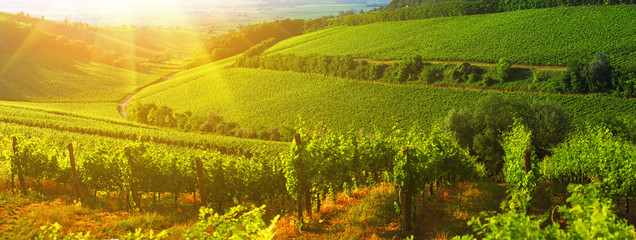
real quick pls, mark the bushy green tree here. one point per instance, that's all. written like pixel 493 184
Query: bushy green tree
pixel 598 73
pixel 549 125
pixel 502 72
pixel 432 73
pixel 465 73
pixel 480 130
pixel 457 122
pixel 138 112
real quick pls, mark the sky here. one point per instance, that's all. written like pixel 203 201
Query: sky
pixel 108 6
pixel 168 12
pixel 102 12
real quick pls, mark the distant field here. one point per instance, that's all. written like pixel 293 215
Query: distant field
pixel 263 98
pixel 309 11
pixel 541 36
pixel 141 42
pixel 46 75
pixel 48 61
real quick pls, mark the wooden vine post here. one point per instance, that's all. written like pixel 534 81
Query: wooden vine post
pixel 76 185
pixel 626 206
pixel 299 197
pixel 405 197
pixel 527 160
pixel 318 201
pixel 12 174
pixel 308 201
pixel 133 185
pixel 200 178
pixel 18 165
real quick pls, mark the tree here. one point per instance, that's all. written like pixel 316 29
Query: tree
pixel 503 69
pixel 574 79
pixel 458 124
pixel 210 124
pixel 139 112
pixel 274 134
pixel 464 73
pixel 598 73
pixel 549 125
pixel 481 130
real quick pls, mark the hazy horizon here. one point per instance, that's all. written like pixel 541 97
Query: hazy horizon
pixel 170 12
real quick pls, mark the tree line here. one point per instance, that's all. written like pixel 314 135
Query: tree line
pixel 597 76
pixel 412 69
pixel 397 10
pixel 237 42
pixel 164 116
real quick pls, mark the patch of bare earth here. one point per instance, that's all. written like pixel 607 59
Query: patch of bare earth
pixel 369 214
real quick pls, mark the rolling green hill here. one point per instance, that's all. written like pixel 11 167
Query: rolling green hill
pixel 50 75
pixel 49 61
pixel 264 98
pixel 541 36
pixel 139 41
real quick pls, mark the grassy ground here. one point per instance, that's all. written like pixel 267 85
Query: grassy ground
pixel 367 213
pixel 21 216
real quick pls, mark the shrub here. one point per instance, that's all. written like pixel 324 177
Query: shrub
pixel 432 73
pixel 502 71
pixel 488 81
pixel 462 73
pixel 480 129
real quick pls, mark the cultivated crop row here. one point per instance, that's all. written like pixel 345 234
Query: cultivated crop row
pixel 130 131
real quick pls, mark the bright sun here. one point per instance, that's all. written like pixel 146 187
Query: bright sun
pixel 115 12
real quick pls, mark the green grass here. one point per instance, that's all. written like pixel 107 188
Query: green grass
pixel 541 36
pixel 45 75
pixel 263 98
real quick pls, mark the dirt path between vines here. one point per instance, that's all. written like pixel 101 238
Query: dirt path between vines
pixel 482 64
pixel 123 103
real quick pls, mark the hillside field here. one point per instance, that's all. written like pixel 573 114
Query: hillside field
pixel 262 98
pixel 551 36
pixel 48 75
pixel 49 61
